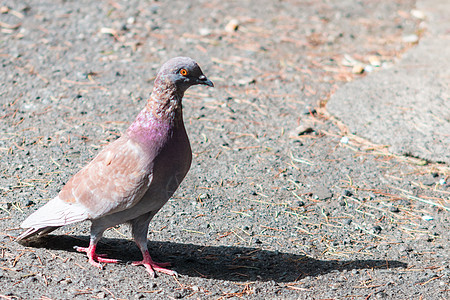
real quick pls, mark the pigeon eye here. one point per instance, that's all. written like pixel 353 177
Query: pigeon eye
pixel 183 72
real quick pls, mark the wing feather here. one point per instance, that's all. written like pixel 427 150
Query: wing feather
pixel 115 180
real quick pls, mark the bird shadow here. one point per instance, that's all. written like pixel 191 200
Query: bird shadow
pixel 218 262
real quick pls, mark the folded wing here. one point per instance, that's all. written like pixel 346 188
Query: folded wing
pixel 115 180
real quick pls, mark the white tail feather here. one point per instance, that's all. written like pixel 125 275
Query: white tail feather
pixel 54 214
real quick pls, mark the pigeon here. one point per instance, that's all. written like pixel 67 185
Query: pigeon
pixel 134 176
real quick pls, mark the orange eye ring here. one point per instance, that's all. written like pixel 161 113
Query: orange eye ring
pixel 183 72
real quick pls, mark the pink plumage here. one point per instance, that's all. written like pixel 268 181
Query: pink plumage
pixel 133 177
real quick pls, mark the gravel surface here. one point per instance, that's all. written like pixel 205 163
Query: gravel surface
pixel 280 202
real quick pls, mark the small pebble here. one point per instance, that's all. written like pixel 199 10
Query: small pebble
pixel 309 110
pixel 410 38
pixel 347 193
pixel 302 129
pixel 322 193
pixel 404 248
pixel 31 279
pixel 377 229
pixel 358 69
pixel 381 295
pixel 374 60
pixel 65 281
pixel 344 140
pixel 427 218
pixel 418 14
pixel 394 209
pixel 429 182
pixel 204 31
pixel 203 196
pixel 246 80
pixel 232 26
pixel 368 69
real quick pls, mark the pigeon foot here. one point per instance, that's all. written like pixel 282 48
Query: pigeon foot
pixel 96 259
pixel 152 266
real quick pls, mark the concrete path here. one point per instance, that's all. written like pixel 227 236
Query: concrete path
pixel 408 105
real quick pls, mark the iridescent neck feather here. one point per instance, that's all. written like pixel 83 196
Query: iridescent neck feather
pixel 162 113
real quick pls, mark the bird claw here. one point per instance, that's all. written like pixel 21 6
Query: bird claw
pixel 106 260
pixel 147 262
pixel 152 263
pixel 96 264
pixel 96 259
pixel 152 266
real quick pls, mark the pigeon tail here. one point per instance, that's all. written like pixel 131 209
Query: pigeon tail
pixel 30 232
pixel 54 214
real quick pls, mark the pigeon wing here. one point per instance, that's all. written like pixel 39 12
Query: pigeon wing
pixel 115 180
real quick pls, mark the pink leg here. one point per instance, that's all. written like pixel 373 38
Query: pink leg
pixel 95 259
pixel 152 266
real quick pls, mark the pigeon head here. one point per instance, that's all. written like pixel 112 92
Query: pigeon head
pixel 182 73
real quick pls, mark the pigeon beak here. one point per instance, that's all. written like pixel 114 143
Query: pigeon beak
pixel 203 80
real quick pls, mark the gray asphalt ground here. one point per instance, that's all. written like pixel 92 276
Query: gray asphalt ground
pixel 276 205
pixel 406 106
